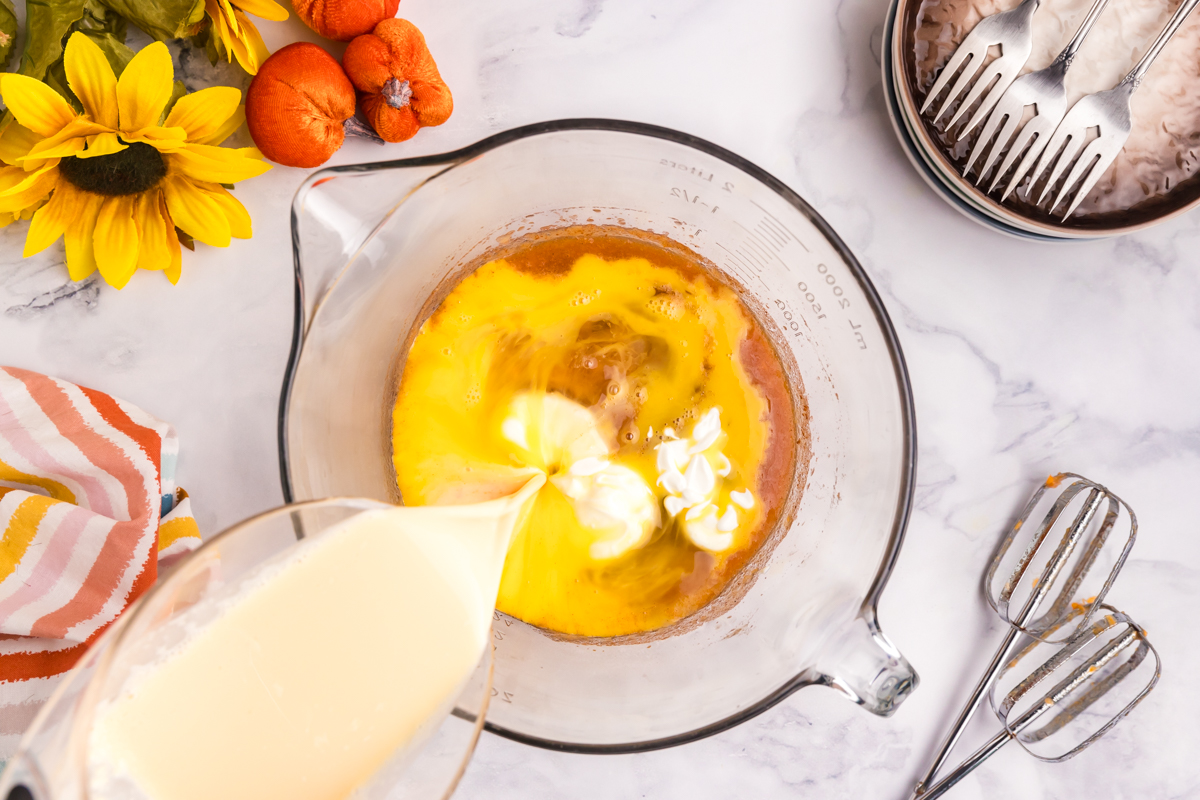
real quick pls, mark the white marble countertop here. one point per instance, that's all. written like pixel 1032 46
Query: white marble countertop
pixel 1026 359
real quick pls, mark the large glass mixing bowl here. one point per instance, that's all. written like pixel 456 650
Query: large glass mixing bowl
pixel 373 243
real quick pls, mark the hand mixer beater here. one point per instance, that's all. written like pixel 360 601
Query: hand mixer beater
pixel 1094 662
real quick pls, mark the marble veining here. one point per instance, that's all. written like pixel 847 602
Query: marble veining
pixel 1026 359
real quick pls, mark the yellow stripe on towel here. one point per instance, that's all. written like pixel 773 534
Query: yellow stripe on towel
pixel 22 527
pixel 56 490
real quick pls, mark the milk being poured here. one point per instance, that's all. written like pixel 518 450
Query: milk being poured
pixel 316 671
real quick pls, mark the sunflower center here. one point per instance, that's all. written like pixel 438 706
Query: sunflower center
pixel 135 169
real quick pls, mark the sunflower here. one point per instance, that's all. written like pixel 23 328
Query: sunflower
pixel 235 35
pixel 117 180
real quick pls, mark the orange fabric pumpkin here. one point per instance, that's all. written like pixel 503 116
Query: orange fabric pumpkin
pixel 298 105
pixel 402 90
pixel 344 19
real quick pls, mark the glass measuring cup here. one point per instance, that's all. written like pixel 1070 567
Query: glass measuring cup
pixel 374 243
pixel 55 758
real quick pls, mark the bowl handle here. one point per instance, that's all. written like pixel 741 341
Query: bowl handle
pixel 863 665
pixel 334 213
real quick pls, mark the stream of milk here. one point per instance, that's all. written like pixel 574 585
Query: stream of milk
pixel 317 670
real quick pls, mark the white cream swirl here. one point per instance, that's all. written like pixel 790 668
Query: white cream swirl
pixel 688 470
pixel 564 439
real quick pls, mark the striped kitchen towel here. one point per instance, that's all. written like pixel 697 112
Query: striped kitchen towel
pixel 88 514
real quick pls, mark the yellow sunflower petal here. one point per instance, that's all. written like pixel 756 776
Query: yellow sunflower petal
pixel 175 268
pixel 91 78
pixel 195 212
pixel 229 13
pixel 220 28
pixel 155 247
pixel 16 141
pixel 35 105
pixel 116 240
pixel 102 144
pixel 32 189
pixel 67 142
pixel 10 177
pixel 238 51
pixel 205 112
pixel 256 49
pixel 70 147
pixel 51 220
pixel 235 212
pixel 162 139
pixel 144 88
pixel 226 129
pixel 78 239
pixel 267 9
pixel 205 162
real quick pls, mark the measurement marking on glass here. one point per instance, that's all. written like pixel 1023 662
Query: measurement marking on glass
pixel 754 242
pixel 736 258
pixel 758 247
pixel 770 236
pixel 693 198
pixel 751 258
pixel 781 226
pixel 862 342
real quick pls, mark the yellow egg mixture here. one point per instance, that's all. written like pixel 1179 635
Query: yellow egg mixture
pixel 645 391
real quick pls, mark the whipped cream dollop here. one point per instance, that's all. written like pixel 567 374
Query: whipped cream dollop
pixel 688 470
pixel 564 439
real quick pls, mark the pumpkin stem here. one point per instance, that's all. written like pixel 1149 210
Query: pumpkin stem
pixel 354 127
pixel 397 94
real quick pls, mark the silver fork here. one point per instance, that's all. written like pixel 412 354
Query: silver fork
pixel 1045 91
pixel 1109 111
pixel 1012 31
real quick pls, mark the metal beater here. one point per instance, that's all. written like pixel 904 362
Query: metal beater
pixel 1088 660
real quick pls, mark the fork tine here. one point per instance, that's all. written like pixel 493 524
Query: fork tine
pixel 1072 143
pixel 1052 148
pixel 1035 139
pixel 1006 135
pixel 1022 140
pixel 965 51
pixel 1095 161
pixel 980 113
pixel 1081 166
pixel 1002 69
pixel 969 73
pixel 989 129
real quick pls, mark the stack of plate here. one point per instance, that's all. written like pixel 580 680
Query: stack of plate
pixel 940 164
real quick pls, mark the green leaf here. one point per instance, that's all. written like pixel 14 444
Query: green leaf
pixel 162 19
pixel 47 22
pixel 98 17
pixel 8 31
pixel 178 90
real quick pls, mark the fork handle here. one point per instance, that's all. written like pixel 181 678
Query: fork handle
pixel 1067 56
pixel 1136 75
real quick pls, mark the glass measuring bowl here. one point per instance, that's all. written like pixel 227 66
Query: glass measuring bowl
pixel 375 242
pixel 52 761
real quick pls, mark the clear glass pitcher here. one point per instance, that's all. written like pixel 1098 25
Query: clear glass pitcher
pixel 375 242
pixel 55 758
